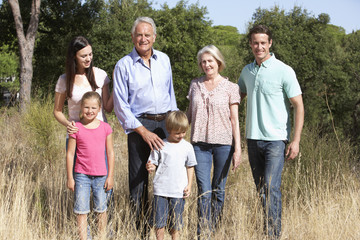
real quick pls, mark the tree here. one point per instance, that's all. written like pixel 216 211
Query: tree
pixel 182 32
pixel 9 81
pixel 26 48
pixel 227 39
pixel 61 20
pixel 111 34
pixel 351 65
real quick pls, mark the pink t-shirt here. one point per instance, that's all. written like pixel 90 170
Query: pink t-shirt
pixel 90 149
pixel 209 111
pixel 74 102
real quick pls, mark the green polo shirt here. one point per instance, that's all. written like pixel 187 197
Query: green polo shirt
pixel 268 90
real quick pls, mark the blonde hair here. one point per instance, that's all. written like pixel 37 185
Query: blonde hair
pixel 213 51
pixel 90 95
pixel 177 121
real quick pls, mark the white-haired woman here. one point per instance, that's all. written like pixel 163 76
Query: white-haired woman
pixel 215 135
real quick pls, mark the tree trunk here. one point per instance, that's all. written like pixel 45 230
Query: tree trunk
pixel 26 47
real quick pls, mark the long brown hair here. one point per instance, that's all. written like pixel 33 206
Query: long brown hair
pixel 75 45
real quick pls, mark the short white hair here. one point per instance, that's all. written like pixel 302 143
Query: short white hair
pixel 143 20
pixel 213 51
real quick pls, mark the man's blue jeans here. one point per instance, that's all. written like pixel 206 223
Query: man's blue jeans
pixel 267 162
pixel 139 152
pixel 211 192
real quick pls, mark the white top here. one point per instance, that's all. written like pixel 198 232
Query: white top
pixel 171 176
pixel 101 80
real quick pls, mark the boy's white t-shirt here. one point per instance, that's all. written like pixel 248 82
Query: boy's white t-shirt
pixel 171 176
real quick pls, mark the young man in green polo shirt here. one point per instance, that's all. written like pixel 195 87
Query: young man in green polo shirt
pixel 271 87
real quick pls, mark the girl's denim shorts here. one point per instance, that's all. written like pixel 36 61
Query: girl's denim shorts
pixel 84 184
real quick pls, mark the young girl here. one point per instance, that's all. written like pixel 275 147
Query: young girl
pixel 174 165
pixel 90 142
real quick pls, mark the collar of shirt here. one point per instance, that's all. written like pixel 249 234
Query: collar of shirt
pixel 266 63
pixel 136 57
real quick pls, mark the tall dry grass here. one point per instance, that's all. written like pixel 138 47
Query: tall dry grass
pixel 320 190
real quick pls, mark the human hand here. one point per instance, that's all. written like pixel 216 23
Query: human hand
pixel 71 184
pixel 109 183
pixel 236 160
pixel 187 191
pixel 150 167
pixel 292 150
pixel 152 139
pixel 71 128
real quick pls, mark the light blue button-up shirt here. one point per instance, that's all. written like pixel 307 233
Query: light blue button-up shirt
pixel 268 90
pixel 139 89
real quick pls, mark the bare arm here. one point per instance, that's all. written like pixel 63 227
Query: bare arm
pixel 109 183
pixel 234 117
pixel 58 109
pixel 70 153
pixel 59 115
pixel 107 99
pixel 293 148
pixel 190 176
pixel 150 167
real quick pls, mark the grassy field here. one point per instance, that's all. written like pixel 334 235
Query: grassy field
pixel 321 193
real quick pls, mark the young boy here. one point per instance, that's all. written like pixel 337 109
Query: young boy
pixel 174 165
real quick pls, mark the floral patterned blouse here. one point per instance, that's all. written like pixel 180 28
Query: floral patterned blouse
pixel 209 111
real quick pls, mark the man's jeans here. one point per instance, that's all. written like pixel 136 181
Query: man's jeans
pixel 211 193
pixel 267 161
pixel 139 152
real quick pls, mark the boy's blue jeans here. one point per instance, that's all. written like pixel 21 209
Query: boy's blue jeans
pixel 267 162
pixel 167 210
pixel 211 191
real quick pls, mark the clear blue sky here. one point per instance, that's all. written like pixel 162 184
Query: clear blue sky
pixel 237 13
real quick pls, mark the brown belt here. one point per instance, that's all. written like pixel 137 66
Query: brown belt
pixel 154 117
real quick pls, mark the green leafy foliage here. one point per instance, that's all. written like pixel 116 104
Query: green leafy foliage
pixel 60 21
pixel 9 64
pixel 350 66
pixel 7 30
pixel 182 32
pixel 111 35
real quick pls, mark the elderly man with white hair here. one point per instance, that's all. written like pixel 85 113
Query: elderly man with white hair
pixel 143 94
